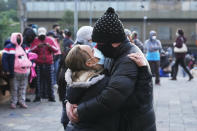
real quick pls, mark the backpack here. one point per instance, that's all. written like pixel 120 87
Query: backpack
pixel 21 64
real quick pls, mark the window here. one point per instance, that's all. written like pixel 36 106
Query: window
pixel 163 33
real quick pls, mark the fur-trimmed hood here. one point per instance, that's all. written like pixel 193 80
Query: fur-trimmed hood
pixel 82 79
pixel 13 38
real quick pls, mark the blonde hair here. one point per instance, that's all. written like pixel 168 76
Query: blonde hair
pixel 76 59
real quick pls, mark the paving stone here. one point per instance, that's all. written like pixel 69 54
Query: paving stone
pixel 175 104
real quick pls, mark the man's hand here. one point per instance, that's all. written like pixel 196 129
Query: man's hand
pixel 71 110
pixel 138 58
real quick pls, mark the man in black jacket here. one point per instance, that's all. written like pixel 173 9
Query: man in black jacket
pixel 127 92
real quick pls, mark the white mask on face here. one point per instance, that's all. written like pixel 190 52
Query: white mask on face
pixel 154 37
pixel 99 54
pixel 177 34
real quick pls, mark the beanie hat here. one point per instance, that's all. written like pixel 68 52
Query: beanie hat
pixel 108 28
pixel 84 34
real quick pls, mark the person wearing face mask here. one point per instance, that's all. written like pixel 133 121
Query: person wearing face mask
pixel 17 66
pixel 45 48
pixel 153 48
pixel 180 56
pixel 29 35
pixel 133 38
pixel 84 36
pixel 67 42
pixel 129 90
pixel 85 78
pixel 58 33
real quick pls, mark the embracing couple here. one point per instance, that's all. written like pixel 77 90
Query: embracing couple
pixel 115 95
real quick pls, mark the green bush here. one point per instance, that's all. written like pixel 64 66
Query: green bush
pixel 8 23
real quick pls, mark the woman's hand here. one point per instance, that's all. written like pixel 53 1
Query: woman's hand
pixel 71 110
pixel 138 58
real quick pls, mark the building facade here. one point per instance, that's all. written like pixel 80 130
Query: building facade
pixel 163 16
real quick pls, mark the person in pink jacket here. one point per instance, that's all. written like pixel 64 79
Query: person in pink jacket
pixel 17 66
pixel 45 48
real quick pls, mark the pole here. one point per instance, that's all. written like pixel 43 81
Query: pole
pixel 25 14
pixel 20 14
pixel 76 18
pixel 90 22
pixel 145 19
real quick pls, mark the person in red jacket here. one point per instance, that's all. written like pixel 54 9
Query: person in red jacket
pixel 45 47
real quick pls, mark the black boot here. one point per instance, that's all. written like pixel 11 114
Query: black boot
pixel 37 99
pixel 190 78
pixel 51 99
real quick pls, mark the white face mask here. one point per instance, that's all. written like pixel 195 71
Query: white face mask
pixel 154 37
pixel 177 34
pixel 99 54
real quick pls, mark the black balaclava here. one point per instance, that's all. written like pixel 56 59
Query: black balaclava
pixel 108 50
pixel 42 37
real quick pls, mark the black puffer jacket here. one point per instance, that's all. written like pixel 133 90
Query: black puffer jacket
pixel 129 91
pixel 79 91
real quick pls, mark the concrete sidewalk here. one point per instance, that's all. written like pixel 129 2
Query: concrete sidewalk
pixel 175 106
pixel 40 116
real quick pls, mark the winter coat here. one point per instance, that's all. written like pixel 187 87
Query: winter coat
pixel 15 58
pixel 81 87
pixel 44 52
pixel 67 44
pixel 139 44
pixel 180 40
pixel 62 88
pixel 57 45
pixel 129 91
pixel 152 49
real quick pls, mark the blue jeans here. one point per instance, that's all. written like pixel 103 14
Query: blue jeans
pixel 55 66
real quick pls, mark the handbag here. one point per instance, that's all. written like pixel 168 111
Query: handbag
pixel 183 49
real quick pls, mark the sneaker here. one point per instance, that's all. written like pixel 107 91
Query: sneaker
pixel 36 100
pixel 190 78
pixel 13 106
pixel 23 105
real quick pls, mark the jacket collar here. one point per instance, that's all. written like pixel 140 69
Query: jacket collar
pixel 82 79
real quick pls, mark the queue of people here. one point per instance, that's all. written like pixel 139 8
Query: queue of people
pixel 104 79
pixel 31 58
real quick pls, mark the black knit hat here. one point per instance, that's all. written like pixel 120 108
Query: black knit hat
pixel 108 28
